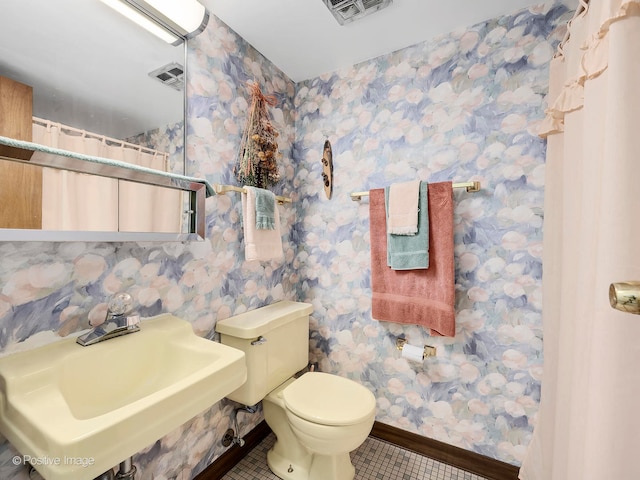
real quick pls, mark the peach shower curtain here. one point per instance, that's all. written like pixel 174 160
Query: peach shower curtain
pixel 72 201
pixel 146 208
pixel 588 426
pixel 75 201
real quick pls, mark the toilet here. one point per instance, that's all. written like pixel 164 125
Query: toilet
pixel 317 418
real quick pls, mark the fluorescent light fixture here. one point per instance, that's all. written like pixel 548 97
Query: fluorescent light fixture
pixel 171 20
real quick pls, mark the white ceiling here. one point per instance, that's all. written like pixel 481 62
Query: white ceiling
pixel 52 46
pixel 304 40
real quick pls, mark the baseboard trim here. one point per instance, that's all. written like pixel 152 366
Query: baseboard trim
pixel 232 457
pixel 442 452
pixel 445 453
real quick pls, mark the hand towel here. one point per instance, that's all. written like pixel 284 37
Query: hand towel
pixel 265 208
pixel 402 211
pixel 417 297
pixel 260 245
pixel 409 252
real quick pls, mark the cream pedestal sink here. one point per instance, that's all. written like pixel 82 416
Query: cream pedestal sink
pixel 78 411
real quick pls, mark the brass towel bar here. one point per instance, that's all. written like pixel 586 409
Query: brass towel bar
pixel 470 186
pixel 219 189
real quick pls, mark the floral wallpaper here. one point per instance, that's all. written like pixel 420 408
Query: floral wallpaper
pixel 167 139
pixel 460 107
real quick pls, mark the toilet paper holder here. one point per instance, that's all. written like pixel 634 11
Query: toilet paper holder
pixel 429 351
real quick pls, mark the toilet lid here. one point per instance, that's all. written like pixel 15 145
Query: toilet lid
pixel 329 399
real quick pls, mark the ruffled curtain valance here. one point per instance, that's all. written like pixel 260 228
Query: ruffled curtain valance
pixel 583 60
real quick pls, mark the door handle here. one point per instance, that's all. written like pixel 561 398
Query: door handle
pixel 625 296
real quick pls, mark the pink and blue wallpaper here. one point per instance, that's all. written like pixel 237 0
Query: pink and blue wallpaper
pixel 460 107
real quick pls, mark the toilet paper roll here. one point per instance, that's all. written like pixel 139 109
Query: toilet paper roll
pixel 411 352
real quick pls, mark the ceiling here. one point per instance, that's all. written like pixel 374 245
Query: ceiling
pixel 304 40
pixel 89 66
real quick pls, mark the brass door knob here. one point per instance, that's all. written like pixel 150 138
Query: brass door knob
pixel 625 296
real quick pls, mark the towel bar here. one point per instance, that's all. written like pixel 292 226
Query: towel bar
pixel 469 186
pixel 219 189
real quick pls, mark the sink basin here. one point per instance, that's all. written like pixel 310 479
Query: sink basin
pixel 78 411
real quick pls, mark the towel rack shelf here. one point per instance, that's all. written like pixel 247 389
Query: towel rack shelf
pixel 469 186
pixel 219 189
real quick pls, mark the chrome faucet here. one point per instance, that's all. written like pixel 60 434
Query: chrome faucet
pixel 120 320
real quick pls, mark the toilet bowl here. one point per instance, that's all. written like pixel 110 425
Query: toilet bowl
pixel 328 416
pixel 318 418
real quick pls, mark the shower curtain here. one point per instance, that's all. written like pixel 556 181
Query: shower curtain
pixel 588 425
pixel 73 201
pixel 76 201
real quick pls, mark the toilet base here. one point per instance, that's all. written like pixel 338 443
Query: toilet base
pixel 323 467
pixel 284 468
pixel 334 467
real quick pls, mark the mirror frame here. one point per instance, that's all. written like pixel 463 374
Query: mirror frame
pixel 196 199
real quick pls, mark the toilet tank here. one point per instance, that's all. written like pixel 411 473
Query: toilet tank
pixel 275 341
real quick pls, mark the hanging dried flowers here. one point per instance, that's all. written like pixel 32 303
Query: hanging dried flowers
pixel 256 164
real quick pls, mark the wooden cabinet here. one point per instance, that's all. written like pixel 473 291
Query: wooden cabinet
pixel 20 183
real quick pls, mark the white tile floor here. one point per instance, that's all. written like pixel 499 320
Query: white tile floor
pixel 374 460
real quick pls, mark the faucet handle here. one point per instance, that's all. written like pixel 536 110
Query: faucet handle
pixel 120 303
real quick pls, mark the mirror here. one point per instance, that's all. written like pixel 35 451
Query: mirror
pixel 95 85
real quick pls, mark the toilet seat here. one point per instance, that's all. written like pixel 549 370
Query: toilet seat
pixel 328 399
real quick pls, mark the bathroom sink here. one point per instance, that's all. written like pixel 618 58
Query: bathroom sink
pixel 77 411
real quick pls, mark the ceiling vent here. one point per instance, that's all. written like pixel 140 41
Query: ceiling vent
pixel 347 11
pixel 171 75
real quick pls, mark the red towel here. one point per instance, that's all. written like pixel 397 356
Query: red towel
pixel 416 297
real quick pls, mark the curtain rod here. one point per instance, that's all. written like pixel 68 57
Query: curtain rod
pixel 219 189
pixel 469 186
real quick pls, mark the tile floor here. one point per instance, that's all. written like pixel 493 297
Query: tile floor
pixel 374 460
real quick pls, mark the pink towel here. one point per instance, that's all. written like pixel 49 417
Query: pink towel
pixel 403 208
pixel 417 297
pixel 259 244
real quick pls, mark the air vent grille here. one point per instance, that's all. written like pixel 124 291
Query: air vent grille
pixel 346 11
pixel 171 75
pixel 372 3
